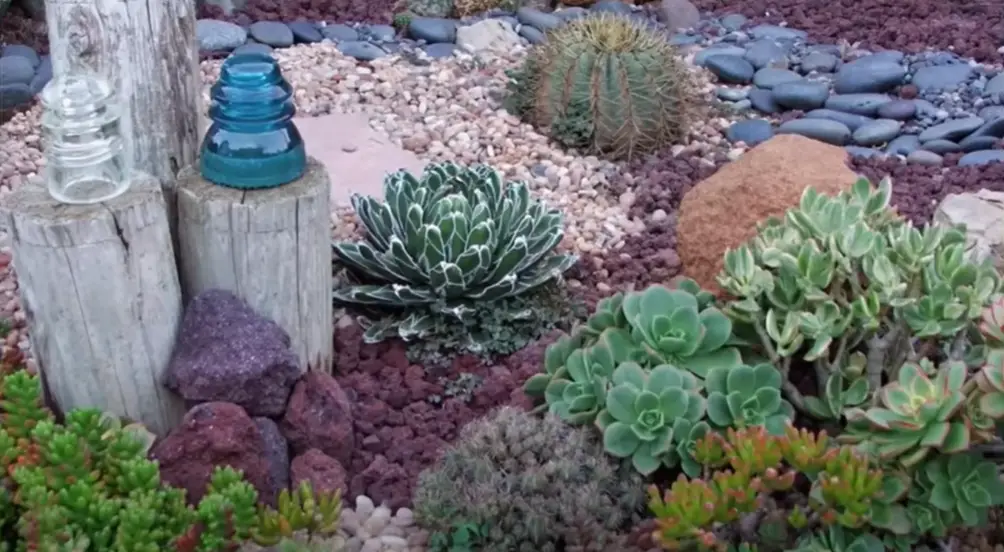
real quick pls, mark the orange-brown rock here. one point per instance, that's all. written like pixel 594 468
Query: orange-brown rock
pixel 722 211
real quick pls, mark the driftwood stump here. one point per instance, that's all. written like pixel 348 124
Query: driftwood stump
pixel 270 247
pixel 101 293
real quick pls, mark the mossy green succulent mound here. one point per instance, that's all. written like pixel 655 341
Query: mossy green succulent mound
pixel 606 84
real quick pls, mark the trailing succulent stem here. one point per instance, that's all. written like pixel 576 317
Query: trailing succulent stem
pixel 440 244
pixel 606 84
pixel 846 285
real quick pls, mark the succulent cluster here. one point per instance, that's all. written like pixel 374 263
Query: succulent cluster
pixel 439 245
pixel 845 284
pixel 733 503
pixel 654 371
pixel 534 483
pixel 606 84
pixel 87 484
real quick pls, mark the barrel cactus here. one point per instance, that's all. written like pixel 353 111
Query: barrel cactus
pixel 441 243
pixel 606 84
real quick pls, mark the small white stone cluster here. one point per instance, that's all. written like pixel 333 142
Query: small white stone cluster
pixel 370 528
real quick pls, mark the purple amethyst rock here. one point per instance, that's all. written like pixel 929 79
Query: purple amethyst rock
pixel 227 352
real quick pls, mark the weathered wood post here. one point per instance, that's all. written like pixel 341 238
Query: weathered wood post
pixel 270 247
pixel 147 50
pixel 101 293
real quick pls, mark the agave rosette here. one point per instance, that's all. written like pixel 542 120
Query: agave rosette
pixel 456 235
pixel 916 415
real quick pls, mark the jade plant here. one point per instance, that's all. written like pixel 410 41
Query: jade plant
pixel 846 275
pixel 916 415
pixel 747 396
pixel 302 516
pixel 87 485
pixel 734 502
pixel 643 410
pixel 439 244
pixel 606 84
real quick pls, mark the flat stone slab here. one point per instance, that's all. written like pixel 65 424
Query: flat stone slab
pixel 356 156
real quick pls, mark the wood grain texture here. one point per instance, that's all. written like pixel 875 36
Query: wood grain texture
pixel 101 293
pixel 270 247
pixel 147 50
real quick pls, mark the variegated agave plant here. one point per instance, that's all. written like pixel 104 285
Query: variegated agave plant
pixel 443 242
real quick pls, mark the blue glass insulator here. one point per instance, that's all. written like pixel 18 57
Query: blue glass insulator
pixel 252 142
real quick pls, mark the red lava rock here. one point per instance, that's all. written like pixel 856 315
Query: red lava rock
pixel 213 434
pixel 319 416
pixel 398 432
pixel 324 473
pixel 227 352
pixel 909 91
pixel 971 28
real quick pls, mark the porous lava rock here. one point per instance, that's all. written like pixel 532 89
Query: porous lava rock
pixel 213 434
pixel 276 452
pixel 226 352
pixel 324 473
pixel 319 416
pixel 723 210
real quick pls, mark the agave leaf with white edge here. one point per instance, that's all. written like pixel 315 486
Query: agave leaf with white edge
pixel 456 234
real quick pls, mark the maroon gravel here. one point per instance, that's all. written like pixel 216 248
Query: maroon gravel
pixel 330 11
pixel 972 28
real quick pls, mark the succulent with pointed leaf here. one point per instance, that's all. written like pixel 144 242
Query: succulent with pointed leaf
pixel 578 392
pixel 962 486
pixel 747 396
pixel 640 411
pixel 838 395
pixel 916 415
pixel 990 385
pixel 672 328
pixel 838 539
pixel 455 236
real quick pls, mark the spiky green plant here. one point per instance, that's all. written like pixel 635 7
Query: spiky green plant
pixel 439 243
pixel 842 275
pixel 917 414
pixel 606 84
pixel 534 483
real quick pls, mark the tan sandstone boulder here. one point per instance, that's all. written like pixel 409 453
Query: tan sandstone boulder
pixel 722 211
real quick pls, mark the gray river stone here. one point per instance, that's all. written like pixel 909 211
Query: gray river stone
pixel 766 53
pixel 865 75
pixel 941 77
pixel 983 157
pixel 860 104
pixel 15 94
pixel 27 52
pixel 802 94
pixel 253 48
pixel 821 62
pixel 952 130
pixel 273 33
pixel 215 35
pixel 536 18
pixel 992 112
pixel 717 49
pixel 432 29
pixel 763 101
pixel 893 56
pixel 899 110
pixel 361 50
pixel 941 146
pixel 750 131
pixel 338 32
pixel 904 144
pixel 995 87
pixel 993 127
pixel 731 94
pixel 305 32
pixel 532 34
pixel 381 33
pixel 850 120
pixel 777 33
pixel 769 77
pixel 976 143
pixel 866 153
pixel 924 157
pixel 733 21
pixel 16 70
pixel 730 69
pixel 823 130
pixel 876 132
